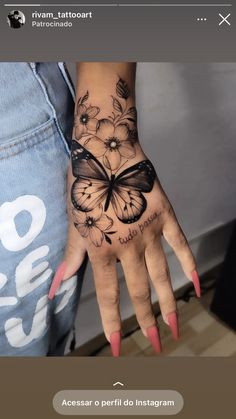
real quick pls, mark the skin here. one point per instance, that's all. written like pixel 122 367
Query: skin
pixel 141 254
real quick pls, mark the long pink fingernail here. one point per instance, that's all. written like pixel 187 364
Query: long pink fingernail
pixel 196 283
pixel 154 338
pixel 58 278
pixel 172 319
pixel 115 342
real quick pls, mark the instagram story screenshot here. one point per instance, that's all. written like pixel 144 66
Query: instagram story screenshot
pixel 117 209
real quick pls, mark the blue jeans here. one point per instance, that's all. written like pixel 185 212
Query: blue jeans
pixel 36 118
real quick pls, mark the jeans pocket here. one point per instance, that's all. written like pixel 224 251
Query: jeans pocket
pixel 42 133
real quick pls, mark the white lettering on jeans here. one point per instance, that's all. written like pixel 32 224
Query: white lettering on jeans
pixel 14 326
pixel 6 301
pixel 11 240
pixel 26 273
pixel 30 273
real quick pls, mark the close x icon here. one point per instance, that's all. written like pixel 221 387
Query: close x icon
pixel 224 19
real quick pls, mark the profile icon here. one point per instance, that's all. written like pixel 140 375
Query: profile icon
pixel 16 19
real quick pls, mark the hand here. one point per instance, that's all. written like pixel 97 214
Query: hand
pixel 118 211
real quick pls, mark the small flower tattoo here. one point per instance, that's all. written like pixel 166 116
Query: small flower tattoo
pixel 94 225
pixel 85 118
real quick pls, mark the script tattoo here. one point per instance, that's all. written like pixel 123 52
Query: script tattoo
pixel 132 233
pixel 100 149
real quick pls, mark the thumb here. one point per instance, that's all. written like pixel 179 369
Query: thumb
pixel 73 259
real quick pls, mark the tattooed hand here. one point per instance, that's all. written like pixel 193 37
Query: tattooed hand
pixel 119 211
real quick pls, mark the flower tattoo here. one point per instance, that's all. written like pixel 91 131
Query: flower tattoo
pixel 85 121
pixel 112 143
pixel 100 148
pixel 94 225
pixel 111 138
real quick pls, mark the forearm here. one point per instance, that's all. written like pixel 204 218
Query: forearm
pixel 100 80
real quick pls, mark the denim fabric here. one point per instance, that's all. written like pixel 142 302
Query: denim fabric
pixel 36 111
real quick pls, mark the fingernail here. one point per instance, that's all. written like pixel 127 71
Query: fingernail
pixel 115 342
pixel 172 319
pixel 154 338
pixel 57 280
pixel 196 283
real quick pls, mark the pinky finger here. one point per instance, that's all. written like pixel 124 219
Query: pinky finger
pixel 174 235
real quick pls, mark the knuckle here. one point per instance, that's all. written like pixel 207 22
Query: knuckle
pixel 163 275
pixel 178 239
pixel 153 237
pixel 135 256
pixel 109 298
pixel 101 261
pixel 167 208
pixel 182 240
pixel 140 296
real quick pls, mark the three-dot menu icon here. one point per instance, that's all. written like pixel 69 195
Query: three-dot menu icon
pixel 201 19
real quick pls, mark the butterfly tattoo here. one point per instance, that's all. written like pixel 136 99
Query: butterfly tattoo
pixel 93 186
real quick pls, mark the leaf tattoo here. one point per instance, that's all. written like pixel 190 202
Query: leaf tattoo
pixel 117 105
pixel 122 89
pixel 132 112
pixel 84 98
